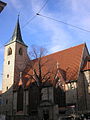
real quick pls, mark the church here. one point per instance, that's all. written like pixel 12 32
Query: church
pixel 48 86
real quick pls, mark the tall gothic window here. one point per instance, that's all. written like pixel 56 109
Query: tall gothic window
pixel 20 99
pixel 9 51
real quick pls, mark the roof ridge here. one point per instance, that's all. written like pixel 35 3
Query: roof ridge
pixel 66 49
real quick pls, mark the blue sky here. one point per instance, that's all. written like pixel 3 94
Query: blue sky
pixel 54 36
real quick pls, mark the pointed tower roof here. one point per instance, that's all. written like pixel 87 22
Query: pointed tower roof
pixel 17 37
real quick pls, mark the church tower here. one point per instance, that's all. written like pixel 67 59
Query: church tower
pixel 15 59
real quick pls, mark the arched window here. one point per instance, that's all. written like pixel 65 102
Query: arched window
pixel 9 51
pixel 20 51
pixel 20 99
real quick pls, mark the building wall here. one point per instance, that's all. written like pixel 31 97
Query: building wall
pixel 6 106
pixel 87 88
pixel 81 85
pixel 81 94
pixel 71 97
pixel 48 93
pixel 8 69
pixel 77 96
pixel 14 102
pixel 20 60
pixel 17 65
pixel 59 97
pixel 26 102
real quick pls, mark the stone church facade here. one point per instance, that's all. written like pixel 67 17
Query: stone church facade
pixel 70 88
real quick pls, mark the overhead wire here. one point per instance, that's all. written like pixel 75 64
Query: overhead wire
pixel 33 17
pixel 43 6
pixel 29 21
pixel 74 26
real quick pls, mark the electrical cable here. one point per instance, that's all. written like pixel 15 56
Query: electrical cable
pixel 43 6
pixel 29 21
pixel 33 17
pixel 63 22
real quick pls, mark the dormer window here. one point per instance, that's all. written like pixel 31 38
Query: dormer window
pixel 9 51
pixel 20 51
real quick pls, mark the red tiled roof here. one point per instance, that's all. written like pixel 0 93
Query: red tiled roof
pixel 86 65
pixel 69 62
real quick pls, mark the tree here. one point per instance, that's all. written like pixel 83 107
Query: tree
pixel 39 71
pixel 38 66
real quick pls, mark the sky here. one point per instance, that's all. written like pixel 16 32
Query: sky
pixel 52 35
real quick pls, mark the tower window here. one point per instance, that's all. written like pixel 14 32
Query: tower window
pixel 8 62
pixel 20 51
pixel 7 87
pixel 9 51
pixel 7 75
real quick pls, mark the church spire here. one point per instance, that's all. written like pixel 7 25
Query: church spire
pixel 17 34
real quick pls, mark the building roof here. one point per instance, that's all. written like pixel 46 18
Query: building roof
pixel 17 37
pixel 69 61
pixel 2 5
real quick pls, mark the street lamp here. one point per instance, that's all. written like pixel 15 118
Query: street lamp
pixel 2 5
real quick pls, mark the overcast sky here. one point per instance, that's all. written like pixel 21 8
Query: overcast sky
pixel 54 36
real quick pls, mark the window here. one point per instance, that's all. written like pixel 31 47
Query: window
pixel 7 75
pixel 71 85
pixel 20 99
pixel 89 88
pixel 9 51
pixel 6 101
pixel 20 51
pixel 7 88
pixel 8 62
pixel 45 93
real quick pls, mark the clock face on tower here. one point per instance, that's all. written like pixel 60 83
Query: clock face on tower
pixel 20 51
